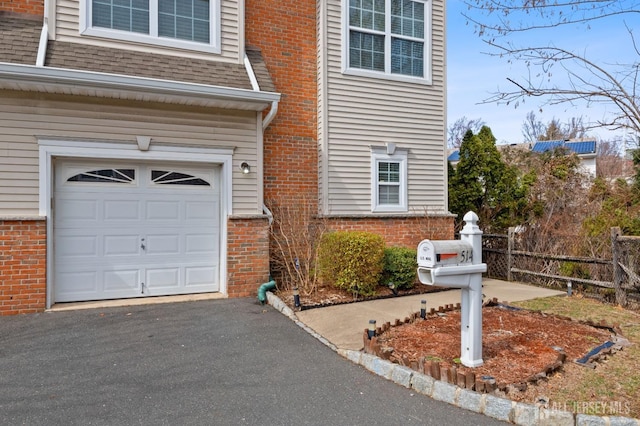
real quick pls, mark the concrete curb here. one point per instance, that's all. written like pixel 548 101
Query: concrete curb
pixel 490 405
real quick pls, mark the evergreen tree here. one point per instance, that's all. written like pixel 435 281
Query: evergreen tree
pixel 482 182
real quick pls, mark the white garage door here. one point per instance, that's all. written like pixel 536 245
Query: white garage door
pixel 126 230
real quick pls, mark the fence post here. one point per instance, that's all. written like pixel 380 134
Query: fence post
pixel 510 234
pixel 621 295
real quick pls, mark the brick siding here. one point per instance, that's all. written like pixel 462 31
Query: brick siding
pixel 30 7
pixel 247 255
pixel 23 256
pixel 285 31
pixel 398 231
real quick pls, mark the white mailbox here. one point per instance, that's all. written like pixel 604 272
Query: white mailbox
pixel 458 264
pixel 444 253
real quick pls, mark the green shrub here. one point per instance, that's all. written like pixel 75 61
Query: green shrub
pixel 575 270
pixel 351 260
pixel 400 267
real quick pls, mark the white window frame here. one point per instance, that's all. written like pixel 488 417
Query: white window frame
pixel 346 69
pixel 86 29
pixel 382 155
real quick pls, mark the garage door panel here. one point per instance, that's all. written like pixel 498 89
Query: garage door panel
pixel 118 210
pixel 200 276
pixel 122 282
pixel 78 285
pixel 122 245
pixel 74 210
pixel 163 210
pixel 77 246
pixel 200 211
pixel 163 244
pixel 201 243
pixel 159 278
pixel 134 239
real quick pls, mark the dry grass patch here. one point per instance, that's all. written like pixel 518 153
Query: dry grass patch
pixel 613 387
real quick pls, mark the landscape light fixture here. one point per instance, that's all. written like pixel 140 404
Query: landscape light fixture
pixel 245 168
pixel 371 331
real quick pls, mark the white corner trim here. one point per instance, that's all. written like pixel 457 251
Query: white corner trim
pixel 251 74
pixel 42 45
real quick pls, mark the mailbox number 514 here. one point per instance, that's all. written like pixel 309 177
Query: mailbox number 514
pixel 467 256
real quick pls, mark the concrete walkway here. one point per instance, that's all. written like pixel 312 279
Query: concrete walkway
pixel 343 325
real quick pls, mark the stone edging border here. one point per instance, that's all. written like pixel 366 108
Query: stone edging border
pixel 469 380
pixel 492 406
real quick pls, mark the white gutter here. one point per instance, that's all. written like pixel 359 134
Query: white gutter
pixel 42 45
pixel 73 79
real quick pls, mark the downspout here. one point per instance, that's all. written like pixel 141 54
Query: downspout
pixel 271 284
pixel 255 86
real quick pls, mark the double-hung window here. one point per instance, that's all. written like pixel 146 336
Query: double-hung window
pixel 389 181
pixel 190 24
pixel 388 38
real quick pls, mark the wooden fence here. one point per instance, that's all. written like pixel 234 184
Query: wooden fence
pixel 618 272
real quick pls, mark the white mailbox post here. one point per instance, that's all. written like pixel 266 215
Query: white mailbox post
pixel 458 264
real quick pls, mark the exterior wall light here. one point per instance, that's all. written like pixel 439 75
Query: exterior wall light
pixel 245 168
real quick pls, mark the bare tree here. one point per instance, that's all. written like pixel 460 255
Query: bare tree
pixel 535 130
pixel 584 81
pixel 532 128
pixel 458 129
pixel 610 164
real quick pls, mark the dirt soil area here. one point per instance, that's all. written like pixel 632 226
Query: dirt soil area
pixel 327 296
pixel 517 344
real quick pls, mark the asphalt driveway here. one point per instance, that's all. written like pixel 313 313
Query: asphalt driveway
pixel 218 362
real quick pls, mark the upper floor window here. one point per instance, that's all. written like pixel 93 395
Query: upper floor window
pixel 388 38
pixel 190 24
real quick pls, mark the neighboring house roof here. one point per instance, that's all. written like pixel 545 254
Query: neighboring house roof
pixel 19 41
pixel 454 156
pixel 584 148
pixel 580 148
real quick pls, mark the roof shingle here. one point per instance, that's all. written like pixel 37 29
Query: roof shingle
pixel 19 38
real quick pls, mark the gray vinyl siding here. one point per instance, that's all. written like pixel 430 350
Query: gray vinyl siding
pixel 364 111
pixel 67 29
pixel 23 120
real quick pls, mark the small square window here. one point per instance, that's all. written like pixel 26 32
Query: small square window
pixel 388 181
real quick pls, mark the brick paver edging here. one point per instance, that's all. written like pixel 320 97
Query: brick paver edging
pixel 498 408
pixel 469 380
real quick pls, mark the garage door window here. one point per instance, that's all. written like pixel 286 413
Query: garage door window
pixel 105 175
pixel 175 178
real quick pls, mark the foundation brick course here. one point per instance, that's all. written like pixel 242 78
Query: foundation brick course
pixel 23 256
pixel 399 231
pixel 247 255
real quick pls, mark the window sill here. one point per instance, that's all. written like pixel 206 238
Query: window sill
pixel 426 81
pixel 145 39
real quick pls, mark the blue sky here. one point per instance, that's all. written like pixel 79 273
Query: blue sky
pixel 473 76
